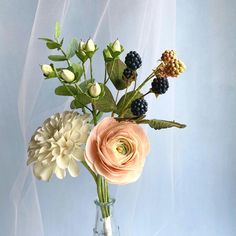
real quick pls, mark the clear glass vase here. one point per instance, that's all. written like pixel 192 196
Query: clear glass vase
pixel 105 224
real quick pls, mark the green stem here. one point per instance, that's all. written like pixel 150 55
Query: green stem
pixel 146 94
pixel 67 60
pixel 100 196
pixel 91 68
pixel 90 170
pixel 137 90
pixel 94 113
pixel 117 95
pixel 105 74
pixel 84 72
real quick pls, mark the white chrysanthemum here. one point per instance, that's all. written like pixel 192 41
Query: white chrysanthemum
pixel 58 145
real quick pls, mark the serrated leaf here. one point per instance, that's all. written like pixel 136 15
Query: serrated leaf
pixel 57 30
pixel 53 45
pixel 125 102
pixel 115 71
pixel 105 103
pixel 80 101
pixel 57 58
pixel 67 90
pixel 162 124
pixel 46 39
pixel 73 46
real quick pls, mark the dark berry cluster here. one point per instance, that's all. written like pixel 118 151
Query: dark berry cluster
pixel 160 85
pixel 133 60
pixel 139 107
pixel 127 73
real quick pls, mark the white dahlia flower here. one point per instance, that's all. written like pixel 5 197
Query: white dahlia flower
pixel 58 145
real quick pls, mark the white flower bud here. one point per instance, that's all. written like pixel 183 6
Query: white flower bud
pixel 95 90
pixel 46 69
pixel 67 75
pixel 116 47
pixel 90 46
pixel 81 45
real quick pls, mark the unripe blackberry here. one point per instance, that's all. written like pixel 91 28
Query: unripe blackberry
pixel 127 73
pixel 174 68
pixel 133 60
pixel 160 85
pixel 139 107
pixel 168 55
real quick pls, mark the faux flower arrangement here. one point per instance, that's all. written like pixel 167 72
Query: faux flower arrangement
pixel 114 149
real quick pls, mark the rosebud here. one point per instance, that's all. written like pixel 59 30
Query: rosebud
pixel 67 75
pixel 95 90
pixel 116 47
pixel 90 46
pixel 46 69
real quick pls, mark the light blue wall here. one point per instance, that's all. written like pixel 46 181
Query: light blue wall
pixel 205 164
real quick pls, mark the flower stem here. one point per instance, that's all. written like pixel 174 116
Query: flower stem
pixel 91 69
pixel 84 72
pixel 90 170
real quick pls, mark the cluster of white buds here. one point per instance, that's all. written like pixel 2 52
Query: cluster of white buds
pixel 86 50
pixel 113 50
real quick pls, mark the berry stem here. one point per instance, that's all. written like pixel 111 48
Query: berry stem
pixel 136 92
pixel 146 94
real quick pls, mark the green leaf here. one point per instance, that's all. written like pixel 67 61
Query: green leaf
pixel 53 45
pixel 105 103
pixel 84 85
pixel 162 124
pixel 115 71
pixel 67 90
pixel 125 101
pixel 46 39
pixel 80 101
pixel 57 30
pixel 78 71
pixel 73 46
pixel 57 58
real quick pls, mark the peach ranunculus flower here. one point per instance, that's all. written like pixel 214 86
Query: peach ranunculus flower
pixel 117 150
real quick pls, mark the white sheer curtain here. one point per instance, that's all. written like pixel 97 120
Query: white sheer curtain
pixel 187 184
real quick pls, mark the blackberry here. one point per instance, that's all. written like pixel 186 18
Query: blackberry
pixel 139 107
pixel 133 60
pixel 127 73
pixel 160 85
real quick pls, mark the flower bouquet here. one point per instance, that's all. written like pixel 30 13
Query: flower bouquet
pixel 113 149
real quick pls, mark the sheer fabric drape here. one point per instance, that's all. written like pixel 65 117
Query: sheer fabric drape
pixel 187 187
pixel 139 25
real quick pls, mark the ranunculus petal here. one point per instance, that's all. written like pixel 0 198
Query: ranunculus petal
pixel 103 155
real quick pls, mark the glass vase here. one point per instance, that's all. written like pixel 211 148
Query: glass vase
pixel 105 224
